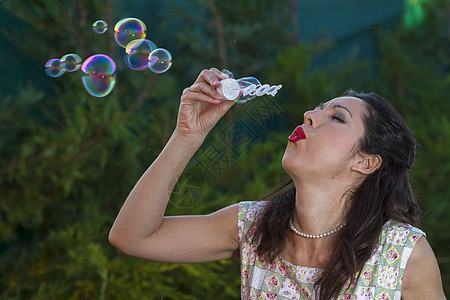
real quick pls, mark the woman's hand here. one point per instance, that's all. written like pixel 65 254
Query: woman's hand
pixel 201 106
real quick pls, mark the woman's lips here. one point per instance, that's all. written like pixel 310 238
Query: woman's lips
pixel 297 135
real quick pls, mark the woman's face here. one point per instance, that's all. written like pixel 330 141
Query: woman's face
pixel 331 137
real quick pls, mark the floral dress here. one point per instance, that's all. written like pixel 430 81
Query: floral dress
pixel 381 276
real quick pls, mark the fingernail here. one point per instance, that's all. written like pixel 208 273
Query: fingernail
pixel 215 82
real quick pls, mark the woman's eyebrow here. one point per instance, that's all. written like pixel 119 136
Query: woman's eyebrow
pixel 321 105
pixel 343 107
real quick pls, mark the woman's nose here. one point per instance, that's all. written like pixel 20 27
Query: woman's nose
pixel 311 118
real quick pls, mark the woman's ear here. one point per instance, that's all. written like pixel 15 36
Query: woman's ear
pixel 367 163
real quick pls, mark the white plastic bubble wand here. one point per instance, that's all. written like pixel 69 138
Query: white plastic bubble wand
pixel 245 89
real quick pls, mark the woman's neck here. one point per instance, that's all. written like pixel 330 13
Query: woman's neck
pixel 318 210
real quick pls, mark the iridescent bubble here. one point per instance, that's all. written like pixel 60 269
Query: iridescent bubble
pixel 100 26
pixel 129 29
pixel 137 53
pixel 99 75
pixel 72 61
pixel 55 68
pixel 229 73
pixel 249 80
pixel 159 61
pixel 244 83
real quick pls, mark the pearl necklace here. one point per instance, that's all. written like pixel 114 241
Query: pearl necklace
pixel 315 236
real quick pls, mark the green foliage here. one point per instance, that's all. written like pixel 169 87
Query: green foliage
pixel 417 80
pixel 69 160
pixel 231 34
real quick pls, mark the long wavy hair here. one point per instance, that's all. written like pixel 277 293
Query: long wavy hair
pixel 384 195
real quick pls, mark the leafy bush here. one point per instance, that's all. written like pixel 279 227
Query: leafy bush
pixel 69 160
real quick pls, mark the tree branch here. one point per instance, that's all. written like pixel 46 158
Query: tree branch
pixel 220 36
pixel 110 20
pixel 83 21
pixel 294 19
pixel 142 95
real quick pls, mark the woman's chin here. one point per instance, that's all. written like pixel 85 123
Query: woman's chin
pixel 287 163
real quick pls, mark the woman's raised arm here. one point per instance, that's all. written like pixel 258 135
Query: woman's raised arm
pixel 140 228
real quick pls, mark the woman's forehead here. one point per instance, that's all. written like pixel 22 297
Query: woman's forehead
pixel 347 99
pixel 352 103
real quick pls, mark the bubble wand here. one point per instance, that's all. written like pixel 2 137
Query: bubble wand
pixel 245 89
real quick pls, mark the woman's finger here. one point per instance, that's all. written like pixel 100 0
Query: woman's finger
pixel 209 77
pixel 206 88
pixel 191 95
pixel 219 74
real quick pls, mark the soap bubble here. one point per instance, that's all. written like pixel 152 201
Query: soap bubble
pixel 137 53
pixel 246 81
pixel 159 61
pixel 55 68
pixel 243 84
pixel 100 26
pixel 72 61
pixel 99 71
pixel 99 75
pixel 229 73
pixel 129 29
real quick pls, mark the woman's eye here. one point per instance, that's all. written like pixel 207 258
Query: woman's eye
pixel 338 117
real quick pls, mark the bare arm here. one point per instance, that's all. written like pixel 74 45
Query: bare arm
pixel 140 228
pixel 422 279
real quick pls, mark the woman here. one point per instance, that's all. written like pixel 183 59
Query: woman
pixel 339 229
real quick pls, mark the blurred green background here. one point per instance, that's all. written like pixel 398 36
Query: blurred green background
pixel 68 160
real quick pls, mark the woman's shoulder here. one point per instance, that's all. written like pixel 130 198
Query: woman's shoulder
pixel 386 266
pixel 249 210
pixel 422 278
pixel 400 234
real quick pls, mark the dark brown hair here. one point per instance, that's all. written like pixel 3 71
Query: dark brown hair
pixel 384 195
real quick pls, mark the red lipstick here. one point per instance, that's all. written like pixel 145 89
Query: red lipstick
pixel 297 135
